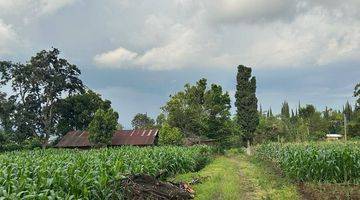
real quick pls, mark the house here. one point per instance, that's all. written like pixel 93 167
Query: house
pixel 140 137
pixel 333 136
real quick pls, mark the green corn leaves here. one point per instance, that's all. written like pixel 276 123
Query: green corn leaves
pixel 334 162
pixel 90 174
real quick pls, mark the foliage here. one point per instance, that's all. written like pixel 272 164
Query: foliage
pixel 142 121
pixel 170 135
pixel 160 119
pixel 246 102
pixel 201 111
pixel 7 108
pixel 285 110
pixel 357 94
pixel 103 126
pixel 3 137
pixel 76 112
pixel 93 174
pixel 269 129
pixel 354 125
pixel 38 87
pixel 308 124
pixel 348 112
pixel 335 162
pixel 185 110
pixel 217 107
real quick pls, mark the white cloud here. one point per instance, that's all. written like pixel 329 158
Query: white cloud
pixel 115 58
pixel 29 9
pixel 7 38
pixel 318 37
pixel 225 11
pixel 48 7
pixel 172 45
pixel 177 51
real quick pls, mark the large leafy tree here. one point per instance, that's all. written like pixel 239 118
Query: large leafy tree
pixel 201 111
pixel 246 102
pixel 76 112
pixel 217 109
pixel 38 86
pixel 184 110
pixel 142 121
pixel 103 126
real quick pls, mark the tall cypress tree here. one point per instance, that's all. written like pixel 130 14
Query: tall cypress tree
pixel 285 110
pixel 260 110
pixel 246 102
pixel 271 113
pixel 326 113
pixel 347 110
pixel 357 94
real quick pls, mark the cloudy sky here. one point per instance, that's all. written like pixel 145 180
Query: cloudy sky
pixel 138 52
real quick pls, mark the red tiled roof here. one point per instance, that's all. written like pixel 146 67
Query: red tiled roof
pixel 124 137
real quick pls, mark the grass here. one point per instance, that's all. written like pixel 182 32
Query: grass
pixel 240 177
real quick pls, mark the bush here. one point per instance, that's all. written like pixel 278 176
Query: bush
pixel 170 135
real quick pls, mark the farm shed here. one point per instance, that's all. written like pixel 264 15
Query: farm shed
pixel 140 137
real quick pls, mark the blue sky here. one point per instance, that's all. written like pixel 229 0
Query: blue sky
pixel 136 52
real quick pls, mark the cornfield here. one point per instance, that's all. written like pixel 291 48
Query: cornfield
pixel 331 162
pixel 91 174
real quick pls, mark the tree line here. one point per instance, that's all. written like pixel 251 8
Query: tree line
pixel 48 99
pixel 202 111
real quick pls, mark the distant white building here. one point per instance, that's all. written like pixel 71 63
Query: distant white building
pixel 333 136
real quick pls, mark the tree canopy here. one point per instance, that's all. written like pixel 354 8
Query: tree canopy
pixel 76 112
pixel 142 121
pixel 37 87
pixel 201 111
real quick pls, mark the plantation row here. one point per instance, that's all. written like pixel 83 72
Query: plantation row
pixel 334 162
pixel 92 174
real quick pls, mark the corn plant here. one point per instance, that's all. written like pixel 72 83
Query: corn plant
pixel 334 162
pixel 90 174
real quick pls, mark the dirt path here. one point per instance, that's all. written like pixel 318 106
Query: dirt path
pixel 240 177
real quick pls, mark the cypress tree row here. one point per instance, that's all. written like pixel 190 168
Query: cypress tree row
pixel 246 102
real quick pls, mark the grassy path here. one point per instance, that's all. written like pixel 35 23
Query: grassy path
pixel 240 177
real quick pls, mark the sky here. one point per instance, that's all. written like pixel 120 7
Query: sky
pixel 138 52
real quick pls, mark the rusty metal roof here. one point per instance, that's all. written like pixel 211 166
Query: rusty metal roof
pixel 138 137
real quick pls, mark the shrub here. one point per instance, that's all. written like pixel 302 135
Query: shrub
pixel 170 135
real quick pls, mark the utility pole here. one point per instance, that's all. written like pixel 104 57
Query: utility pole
pixel 345 127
